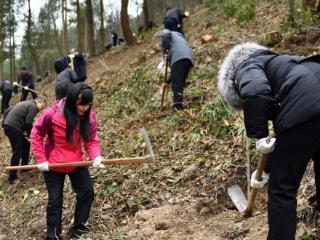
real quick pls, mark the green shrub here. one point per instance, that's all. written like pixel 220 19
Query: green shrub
pixel 242 10
pixel 230 9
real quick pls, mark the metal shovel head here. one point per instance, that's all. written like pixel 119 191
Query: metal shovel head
pixel 238 198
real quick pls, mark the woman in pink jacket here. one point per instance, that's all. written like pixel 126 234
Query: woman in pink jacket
pixel 57 137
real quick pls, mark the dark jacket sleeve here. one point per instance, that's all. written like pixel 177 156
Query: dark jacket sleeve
pixel 29 80
pixel 73 76
pixel 256 99
pixel 181 14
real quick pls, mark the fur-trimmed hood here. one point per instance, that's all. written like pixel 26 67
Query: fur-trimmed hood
pixel 234 58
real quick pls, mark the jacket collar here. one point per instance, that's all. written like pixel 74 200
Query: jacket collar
pixel 226 76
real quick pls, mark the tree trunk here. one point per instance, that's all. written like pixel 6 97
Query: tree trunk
pixel 79 28
pixel 146 14
pixel 125 23
pixel 291 17
pixel 90 28
pixel 14 58
pixel 29 42
pixel 65 26
pixel 102 30
pixel 56 33
pixel 10 53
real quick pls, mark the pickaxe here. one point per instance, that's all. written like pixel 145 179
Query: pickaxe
pixel 165 79
pixel 25 88
pixel 238 197
pixel 149 158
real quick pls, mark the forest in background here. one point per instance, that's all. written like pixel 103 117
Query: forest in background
pixel 64 24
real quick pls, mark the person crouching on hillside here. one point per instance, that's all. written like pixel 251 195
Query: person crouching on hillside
pixel 57 137
pixel 180 62
pixel 17 125
pixel 285 89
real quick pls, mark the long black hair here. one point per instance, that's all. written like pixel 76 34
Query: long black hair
pixel 84 92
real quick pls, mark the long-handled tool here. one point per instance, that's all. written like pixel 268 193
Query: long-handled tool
pixel 165 80
pixel 25 88
pixel 238 197
pixel 149 158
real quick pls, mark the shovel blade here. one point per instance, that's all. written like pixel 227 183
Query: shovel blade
pixel 238 198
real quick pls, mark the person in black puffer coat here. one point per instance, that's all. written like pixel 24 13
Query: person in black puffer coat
pixel 26 80
pixel 286 90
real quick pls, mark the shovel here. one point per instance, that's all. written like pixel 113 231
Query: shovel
pixel 238 197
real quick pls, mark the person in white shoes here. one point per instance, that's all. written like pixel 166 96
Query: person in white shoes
pixel 284 89
pixel 58 136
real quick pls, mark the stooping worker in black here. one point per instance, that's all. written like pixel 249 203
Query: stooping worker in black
pixel 26 80
pixel 285 89
pixel 173 19
pixel 17 126
pixel 6 92
pixel 65 81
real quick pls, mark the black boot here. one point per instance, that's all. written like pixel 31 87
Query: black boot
pixel 55 238
pixel 77 231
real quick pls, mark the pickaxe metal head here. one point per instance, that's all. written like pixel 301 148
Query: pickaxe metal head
pixel 150 154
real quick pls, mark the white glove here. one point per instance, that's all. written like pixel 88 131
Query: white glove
pixel 26 87
pixel 97 162
pixel 259 184
pixel 265 145
pixel 186 13
pixel 43 166
pixel 160 65
pixel 15 83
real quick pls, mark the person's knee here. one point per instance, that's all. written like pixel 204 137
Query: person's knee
pixel 86 194
pixel 55 201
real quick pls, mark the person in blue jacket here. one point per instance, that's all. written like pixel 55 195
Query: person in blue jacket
pixel 180 62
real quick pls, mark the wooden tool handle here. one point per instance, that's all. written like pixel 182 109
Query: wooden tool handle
pixel 165 80
pixel 254 191
pixel 114 161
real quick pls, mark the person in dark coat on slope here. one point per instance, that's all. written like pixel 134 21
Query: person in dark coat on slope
pixel 65 81
pixel 6 92
pixel 17 125
pixel 285 89
pixel 79 64
pixel 173 19
pixel 26 80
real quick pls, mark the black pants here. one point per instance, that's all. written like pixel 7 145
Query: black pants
pixel 24 93
pixel 20 149
pixel 293 150
pixel 81 184
pixel 6 96
pixel 178 77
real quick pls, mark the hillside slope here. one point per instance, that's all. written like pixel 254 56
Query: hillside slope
pixel 199 152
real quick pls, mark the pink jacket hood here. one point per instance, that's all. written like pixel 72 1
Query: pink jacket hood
pixel 48 139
